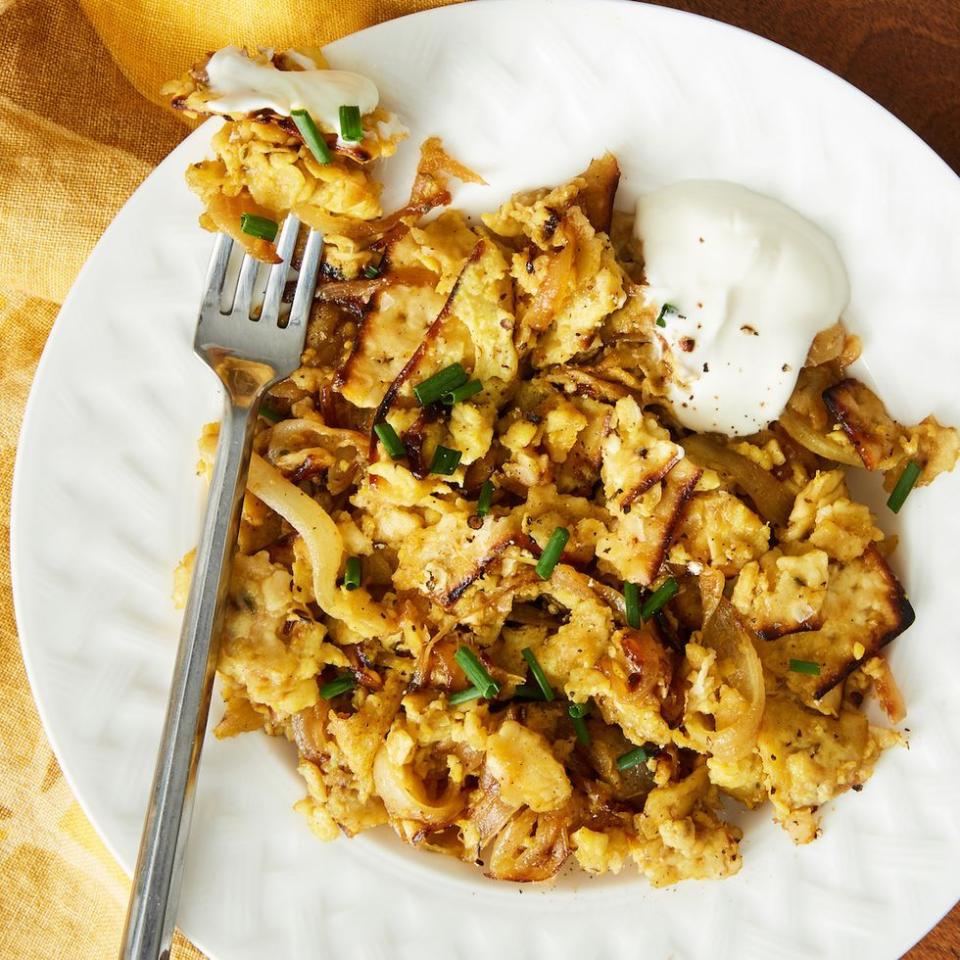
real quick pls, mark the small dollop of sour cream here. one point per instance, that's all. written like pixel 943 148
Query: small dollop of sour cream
pixel 747 283
pixel 243 85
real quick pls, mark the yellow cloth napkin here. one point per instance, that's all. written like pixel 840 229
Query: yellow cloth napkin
pixel 81 125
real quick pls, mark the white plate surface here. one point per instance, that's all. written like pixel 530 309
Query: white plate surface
pixel 106 502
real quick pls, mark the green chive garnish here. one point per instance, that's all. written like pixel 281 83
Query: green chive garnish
pixel 631 599
pixel 371 272
pixel 910 475
pixel 268 413
pixel 805 666
pixel 542 682
pixel 350 126
pixel 576 712
pixel 260 227
pixel 662 315
pixel 462 393
pixel 664 593
pixel 463 696
pixel 485 499
pixel 433 388
pixel 312 137
pixel 391 442
pixel 335 687
pixel 352 573
pixel 632 759
pixel 552 552
pixel 580 729
pixel 527 691
pixel 476 672
pixel 445 460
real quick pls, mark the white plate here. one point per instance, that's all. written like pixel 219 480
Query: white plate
pixel 105 501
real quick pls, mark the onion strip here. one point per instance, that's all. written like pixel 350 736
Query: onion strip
pixel 819 443
pixel 289 436
pixel 769 495
pixel 324 546
pixel 407 797
pixel 735 735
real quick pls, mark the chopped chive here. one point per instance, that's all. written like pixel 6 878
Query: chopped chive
pixel 268 413
pixel 261 227
pixel 391 442
pixel 632 758
pixel 462 393
pixel 662 315
pixel 463 696
pixel 577 712
pixel 552 552
pixel 805 666
pixel 580 729
pixel 527 691
pixel 350 126
pixel 661 596
pixel 631 600
pixel 485 499
pixel 335 687
pixel 433 388
pixel 476 672
pixel 371 272
pixel 542 682
pixel 445 460
pixel 910 475
pixel 352 573
pixel 312 137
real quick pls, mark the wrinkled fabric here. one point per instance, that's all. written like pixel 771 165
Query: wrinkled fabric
pixel 81 126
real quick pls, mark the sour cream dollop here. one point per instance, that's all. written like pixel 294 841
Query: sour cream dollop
pixel 749 283
pixel 244 85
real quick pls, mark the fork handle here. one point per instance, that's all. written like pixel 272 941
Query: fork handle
pixel 156 879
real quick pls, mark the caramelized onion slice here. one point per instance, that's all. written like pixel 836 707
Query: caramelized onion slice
pixel 771 498
pixel 532 846
pixel 711 583
pixel 324 548
pixel 225 212
pixel 735 732
pixel 309 731
pixel 822 444
pixel 607 745
pixel 407 797
pixel 886 688
pixel 489 812
pixel 558 281
pixel 597 196
pixel 290 435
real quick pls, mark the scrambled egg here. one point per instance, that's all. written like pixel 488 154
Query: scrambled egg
pixel 487 697
pixel 525 769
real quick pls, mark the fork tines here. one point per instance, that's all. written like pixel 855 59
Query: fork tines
pixel 227 301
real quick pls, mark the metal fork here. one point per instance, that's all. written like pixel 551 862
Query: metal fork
pixel 249 354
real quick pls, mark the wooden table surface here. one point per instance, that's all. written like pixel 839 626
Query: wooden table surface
pixel 906 55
